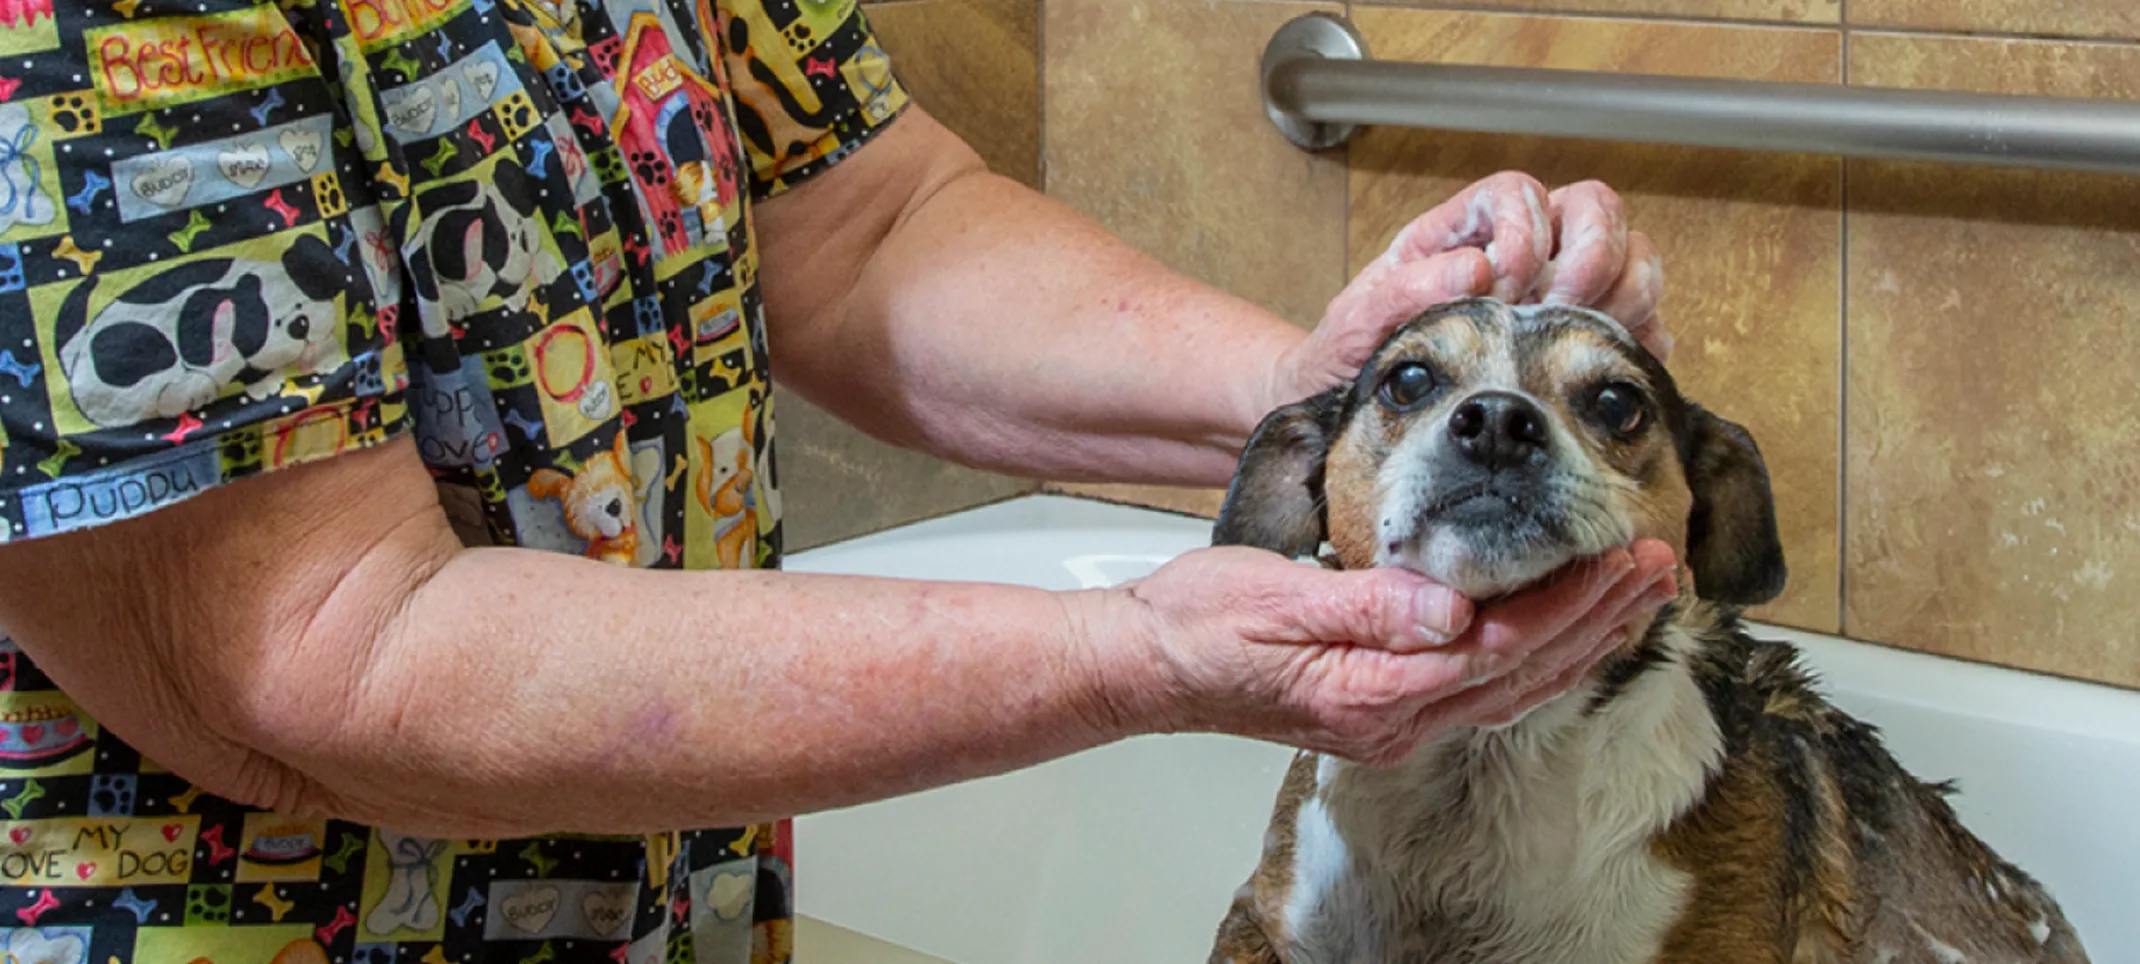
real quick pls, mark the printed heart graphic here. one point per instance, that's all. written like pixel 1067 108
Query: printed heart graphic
pixel 302 146
pixel 20 835
pixel 171 832
pixel 483 76
pixel 414 115
pixel 530 910
pixel 449 98
pixel 67 727
pixel 245 165
pixel 85 871
pixel 165 182
pixel 607 912
pixel 730 896
pixel 32 734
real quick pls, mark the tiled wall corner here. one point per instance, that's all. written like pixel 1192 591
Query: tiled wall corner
pixel 972 64
pixel 1994 479
pixel 1752 242
pixel 1155 126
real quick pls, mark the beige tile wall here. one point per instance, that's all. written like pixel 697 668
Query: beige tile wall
pixel 1934 359
pixel 1994 428
pixel 2114 19
pixel 974 65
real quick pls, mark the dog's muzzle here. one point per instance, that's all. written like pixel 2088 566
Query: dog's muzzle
pixel 1487 506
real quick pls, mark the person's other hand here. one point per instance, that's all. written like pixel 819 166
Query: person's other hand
pixel 1507 237
pixel 1363 665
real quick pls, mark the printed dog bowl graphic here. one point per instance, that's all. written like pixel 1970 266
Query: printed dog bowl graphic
pixel 282 846
pixel 33 737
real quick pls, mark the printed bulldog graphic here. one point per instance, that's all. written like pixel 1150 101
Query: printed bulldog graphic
pixel 480 239
pixel 173 343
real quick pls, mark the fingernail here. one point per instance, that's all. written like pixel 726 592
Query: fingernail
pixel 1465 276
pixel 1437 614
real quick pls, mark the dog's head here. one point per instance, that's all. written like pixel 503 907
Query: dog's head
pixel 481 240
pixel 600 501
pixel 1486 446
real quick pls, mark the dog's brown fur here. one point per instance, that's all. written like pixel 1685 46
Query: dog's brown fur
pixel 1805 843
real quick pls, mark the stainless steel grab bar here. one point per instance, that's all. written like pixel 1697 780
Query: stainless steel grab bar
pixel 1319 82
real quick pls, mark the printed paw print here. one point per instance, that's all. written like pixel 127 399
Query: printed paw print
pixel 508 368
pixel 111 795
pixel 583 276
pixel 369 379
pixel 798 36
pixel 565 82
pixel 207 904
pixel 516 113
pixel 647 311
pixel 241 451
pixel 75 114
pixel 651 168
pixel 605 54
pixel 672 224
pixel 679 949
pixel 491 485
pixel 608 165
pixel 11 276
pixel 327 191
pixel 372 954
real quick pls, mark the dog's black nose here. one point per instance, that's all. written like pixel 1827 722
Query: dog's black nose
pixel 1498 430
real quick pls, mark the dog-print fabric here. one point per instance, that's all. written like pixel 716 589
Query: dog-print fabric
pixel 240 236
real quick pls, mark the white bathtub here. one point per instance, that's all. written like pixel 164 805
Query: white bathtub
pixel 1130 853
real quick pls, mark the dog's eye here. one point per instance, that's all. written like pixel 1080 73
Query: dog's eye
pixel 1407 384
pixel 1619 407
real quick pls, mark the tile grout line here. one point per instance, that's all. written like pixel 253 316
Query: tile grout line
pixel 1700 21
pixel 1040 95
pixel 1344 265
pixel 1842 373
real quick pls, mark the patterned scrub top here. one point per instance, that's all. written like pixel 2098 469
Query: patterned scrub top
pixel 237 236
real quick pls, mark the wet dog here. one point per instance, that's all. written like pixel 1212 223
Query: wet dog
pixel 1695 800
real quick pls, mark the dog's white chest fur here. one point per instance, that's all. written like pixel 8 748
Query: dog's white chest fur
pixel 1530 844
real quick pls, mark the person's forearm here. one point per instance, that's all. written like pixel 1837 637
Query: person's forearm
pixel 1005 330
pixel 361 664
pixel 778 694
pixel 1114 369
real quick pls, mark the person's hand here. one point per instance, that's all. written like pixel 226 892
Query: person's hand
pixel 1363 665
pixel 1507 237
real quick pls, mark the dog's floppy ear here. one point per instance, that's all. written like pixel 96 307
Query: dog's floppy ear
pixel 1276 499
pixel 1732 543
pixel 315 270
pixel 517 188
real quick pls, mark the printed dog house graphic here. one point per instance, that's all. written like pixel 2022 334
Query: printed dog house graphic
pixel 677 140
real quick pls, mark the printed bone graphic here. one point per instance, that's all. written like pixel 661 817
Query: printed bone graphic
pixel 411 875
